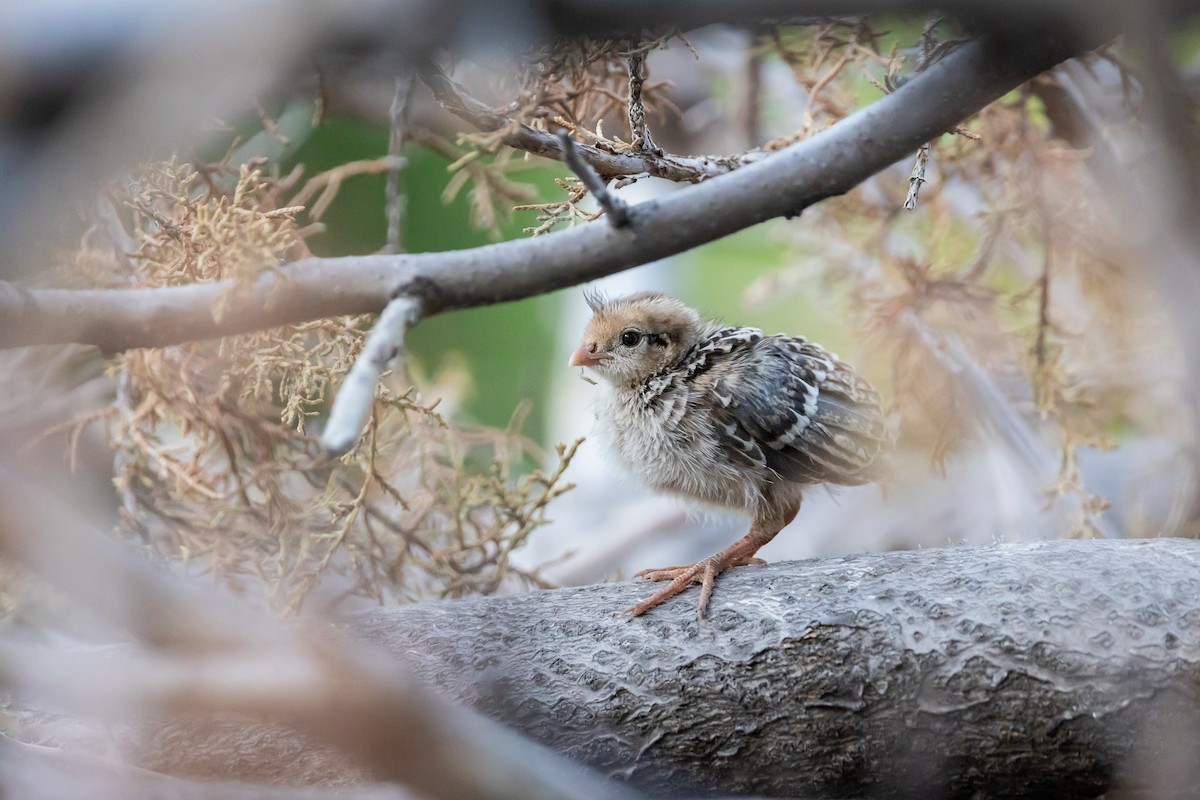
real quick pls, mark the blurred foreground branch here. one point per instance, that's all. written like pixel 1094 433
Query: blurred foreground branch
pixel 39 772
pixel 201 654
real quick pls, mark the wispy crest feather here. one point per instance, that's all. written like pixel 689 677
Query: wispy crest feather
pixel 595 299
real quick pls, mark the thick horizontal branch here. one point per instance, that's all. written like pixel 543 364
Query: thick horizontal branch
pixel 784 184
pixel 1063 669
pixel 1007 671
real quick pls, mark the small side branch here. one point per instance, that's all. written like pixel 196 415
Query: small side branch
pixel 615 209
pixel 640 134
pixel 354 399
pixel 1043 321
pixel 917 178
pixel 395 199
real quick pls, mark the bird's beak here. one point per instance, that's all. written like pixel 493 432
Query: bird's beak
pixel 583 357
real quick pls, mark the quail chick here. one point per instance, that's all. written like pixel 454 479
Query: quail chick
pixel 726 416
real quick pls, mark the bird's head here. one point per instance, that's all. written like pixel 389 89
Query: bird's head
pixel 631 338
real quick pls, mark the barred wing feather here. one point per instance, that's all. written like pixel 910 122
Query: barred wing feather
pixel 788 405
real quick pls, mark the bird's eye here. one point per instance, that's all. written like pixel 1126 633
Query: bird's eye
pixel 630 338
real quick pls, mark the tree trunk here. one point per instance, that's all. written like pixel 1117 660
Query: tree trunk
pixel 1061 669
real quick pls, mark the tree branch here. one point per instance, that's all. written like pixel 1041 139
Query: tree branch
pixel 395 199
pixel 209 654
pixel 1012 670
pixel 784 184
pixel 615 208
pixel 35 772
pixel 639 134
pixel 608 163
pixel 1059 669
pixel 357 393
pixel 917 178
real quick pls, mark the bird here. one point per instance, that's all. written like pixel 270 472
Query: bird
pixel 726 416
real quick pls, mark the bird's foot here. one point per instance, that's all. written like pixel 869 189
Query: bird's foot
pixel 705 572
pixel 671 573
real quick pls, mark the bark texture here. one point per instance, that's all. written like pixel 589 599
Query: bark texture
pixel 1061 669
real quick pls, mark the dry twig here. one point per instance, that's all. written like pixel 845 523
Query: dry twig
pixel 395 199
pixel 917 178
pixel 616 209
pixel 636 61
pixel 608 161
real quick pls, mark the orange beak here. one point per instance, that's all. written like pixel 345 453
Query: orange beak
pixel 585 356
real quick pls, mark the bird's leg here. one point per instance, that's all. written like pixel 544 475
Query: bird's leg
pixel 739 554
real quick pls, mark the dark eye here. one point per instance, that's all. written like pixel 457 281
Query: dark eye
pixel 630 338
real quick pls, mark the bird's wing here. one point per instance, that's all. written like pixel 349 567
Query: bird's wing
pixel 786 404
pixel 680 379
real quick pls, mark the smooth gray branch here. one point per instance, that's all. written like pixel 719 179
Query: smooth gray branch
pixel 615 208
pixel 783 184
pixel 356 395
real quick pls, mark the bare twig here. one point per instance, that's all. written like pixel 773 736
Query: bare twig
pixel 929 42
pixel 639 133
pixel 1043 318
pixel 270 125
pixel 917 178
pixel 615 209
pixel 751 109
pixel 394 208
pixel 354 399
pixel 328 183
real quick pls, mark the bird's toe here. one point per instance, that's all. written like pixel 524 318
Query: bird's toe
pixel 664 573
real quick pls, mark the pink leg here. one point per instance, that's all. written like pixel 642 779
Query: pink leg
pixel 738 554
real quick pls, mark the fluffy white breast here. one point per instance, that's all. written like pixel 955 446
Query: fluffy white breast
pixel 668 446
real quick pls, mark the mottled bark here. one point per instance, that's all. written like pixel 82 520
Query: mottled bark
pixel 1059 669
pixel 1062 669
